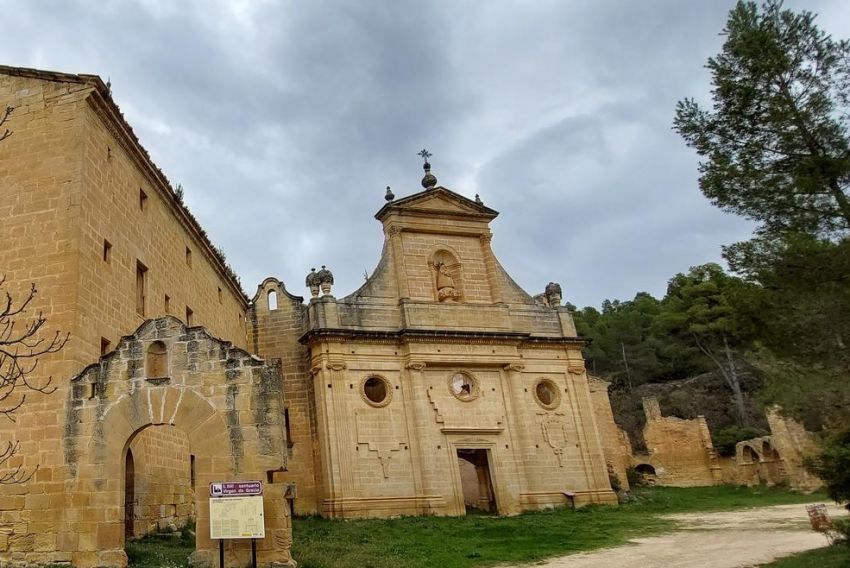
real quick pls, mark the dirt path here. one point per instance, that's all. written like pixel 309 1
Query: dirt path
pixel 728 539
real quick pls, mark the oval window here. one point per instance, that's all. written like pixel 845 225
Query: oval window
pixel 376 391
pixel 463 386
pixel 547 394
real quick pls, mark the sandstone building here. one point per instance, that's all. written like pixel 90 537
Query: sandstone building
pixel 438 385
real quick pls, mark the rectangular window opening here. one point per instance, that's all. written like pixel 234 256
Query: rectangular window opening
pixel 107 251
pixel 143 200
pixel 289 442
pixel 167 304
pixel 188 256
pixel 141 287
pixel 105 344
pixel 192 470
pixel 189 314
pixel 220 296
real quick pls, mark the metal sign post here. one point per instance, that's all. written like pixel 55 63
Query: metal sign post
pixel 236 511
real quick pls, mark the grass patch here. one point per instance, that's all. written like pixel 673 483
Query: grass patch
pixel 835 556
pixel 480 540
pixel 458 542
pixel 168 550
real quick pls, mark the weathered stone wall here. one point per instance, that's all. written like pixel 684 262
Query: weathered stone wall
pixel 164 494
pixel 229 405
pixel 615 441
pixel 793 444
pixel 680 450
pixel 275 336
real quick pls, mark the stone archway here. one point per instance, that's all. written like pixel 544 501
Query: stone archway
pixel 228 404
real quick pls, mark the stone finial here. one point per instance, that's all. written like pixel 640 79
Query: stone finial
pixel 390 195
pixel 326 280
pixel 312 282
pixel 478 199
pixel 430 180
pixel 553 294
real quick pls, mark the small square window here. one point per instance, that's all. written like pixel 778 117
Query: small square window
pixel 143 200
pixel 105 345
pixel 107 251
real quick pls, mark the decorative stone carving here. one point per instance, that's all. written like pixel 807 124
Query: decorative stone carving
pixel 415 365
pixel 377 429
pixel 335 366
pixel 326 280
pixel 553 294
pixel 576 368
pixel 554 430
pixel 515 367
pixel 446 290
pixel 312 282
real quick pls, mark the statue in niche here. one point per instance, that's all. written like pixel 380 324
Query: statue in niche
pixel 446 290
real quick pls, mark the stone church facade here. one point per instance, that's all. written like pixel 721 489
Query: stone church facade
pixel 437 386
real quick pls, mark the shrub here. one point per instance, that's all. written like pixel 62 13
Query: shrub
pixel 833 466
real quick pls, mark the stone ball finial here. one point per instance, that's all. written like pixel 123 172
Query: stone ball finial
pixel 390 195
pixel 430 180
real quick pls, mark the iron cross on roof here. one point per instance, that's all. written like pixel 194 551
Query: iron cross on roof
pixel 425 154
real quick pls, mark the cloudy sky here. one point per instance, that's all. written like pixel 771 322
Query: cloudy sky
pixel 284 122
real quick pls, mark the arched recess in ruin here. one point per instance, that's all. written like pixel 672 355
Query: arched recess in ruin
pixel 204 406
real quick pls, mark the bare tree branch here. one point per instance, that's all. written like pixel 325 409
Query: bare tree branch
pixel 6 133
pixel 21 346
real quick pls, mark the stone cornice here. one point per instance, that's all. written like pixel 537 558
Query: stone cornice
pixel 438 336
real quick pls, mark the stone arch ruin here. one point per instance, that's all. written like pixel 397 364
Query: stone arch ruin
pixel 227 403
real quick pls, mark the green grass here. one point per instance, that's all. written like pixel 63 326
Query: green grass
pixel 835 556
pixel 479 540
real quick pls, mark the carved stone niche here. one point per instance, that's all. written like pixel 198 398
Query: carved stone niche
pixel 446 276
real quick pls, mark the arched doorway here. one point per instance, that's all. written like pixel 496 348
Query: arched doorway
pixel 158 490
pixel 647 473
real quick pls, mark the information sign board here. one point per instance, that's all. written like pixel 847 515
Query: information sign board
pixel 236 488
pixel 237 517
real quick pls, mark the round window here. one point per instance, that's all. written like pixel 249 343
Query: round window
pixel 376 391
pixel 463 386
pixel 547 394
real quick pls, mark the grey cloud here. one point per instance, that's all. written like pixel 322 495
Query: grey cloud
pixel 284 121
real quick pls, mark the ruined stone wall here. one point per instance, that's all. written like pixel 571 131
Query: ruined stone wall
pixel 794 444
pixel 227 403
pixel 275 336
pixel 680 450
pixel 615 441
pixel 164 495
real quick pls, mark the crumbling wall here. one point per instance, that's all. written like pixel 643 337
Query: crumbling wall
pixel 794 444
pixel 680 451
pixel 615 441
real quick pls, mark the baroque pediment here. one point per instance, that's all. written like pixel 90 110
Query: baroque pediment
pixel 439 200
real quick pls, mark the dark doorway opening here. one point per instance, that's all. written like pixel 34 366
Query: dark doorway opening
pixel 476 481
pixel 129 495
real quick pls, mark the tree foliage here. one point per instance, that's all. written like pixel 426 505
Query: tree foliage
pixel 21 346
pixel 833 466
pixel 775 141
